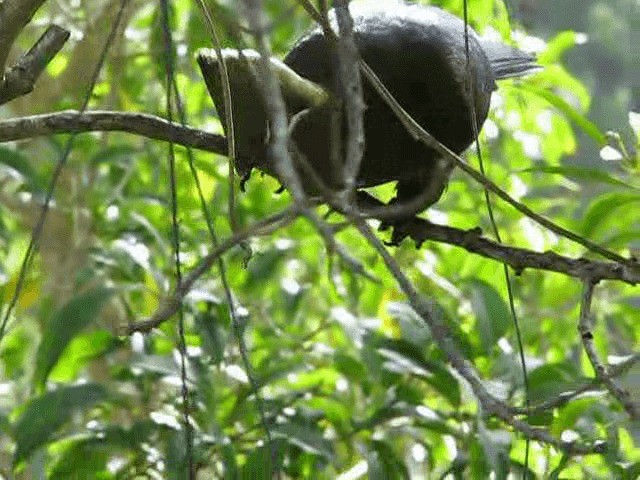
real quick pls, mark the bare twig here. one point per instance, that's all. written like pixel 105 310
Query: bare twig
pixel 351 95
pixel 71 121
pixel 614 370
pixel 519 258
pixel 442 335
pixel 170 305
pixel 276 112
pixel 585 327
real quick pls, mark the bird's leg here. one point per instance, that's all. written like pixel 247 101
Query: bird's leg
pixel 412 198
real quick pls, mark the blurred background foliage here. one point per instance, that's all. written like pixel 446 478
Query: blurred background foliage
pixel 351 381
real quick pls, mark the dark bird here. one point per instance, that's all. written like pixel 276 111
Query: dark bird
pixel 418 52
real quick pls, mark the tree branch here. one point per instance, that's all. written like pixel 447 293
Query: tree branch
pixel 20 78
pixel 14 16
pixel 171 304
pixel 519 258
pixel 585 327
pixel 149 126
pixel 442 335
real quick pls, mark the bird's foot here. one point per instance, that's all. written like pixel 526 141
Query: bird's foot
pixel 412 227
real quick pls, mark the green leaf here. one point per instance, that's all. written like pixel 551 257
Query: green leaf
pixel 404 358
pixel 176 456
pixel 45 414
pixel 493 318
pixel 229 460
pixel 66 324
pixel 307 437
pixel 605 207
pixel 496 445
pixel 350 367
pixel 557 46
pixel 260 462
pixel 334 410
pixel 570 415
pixel 582 174
pixel 411 325
pixel 83 458
pixel 576 117
pixel 214 336
pixel 80 351
pixel 157 43
pixel 630 472
pixel 384 463
pixel 548 381
pixel 19 163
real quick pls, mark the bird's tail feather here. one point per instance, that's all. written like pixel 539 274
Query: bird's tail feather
pixel 509 62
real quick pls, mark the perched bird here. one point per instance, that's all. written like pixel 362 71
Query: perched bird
pixel 418 52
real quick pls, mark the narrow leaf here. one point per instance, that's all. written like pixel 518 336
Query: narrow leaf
pixel 65 325
pixel 45 414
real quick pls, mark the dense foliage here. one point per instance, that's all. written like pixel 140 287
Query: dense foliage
pixel 351 381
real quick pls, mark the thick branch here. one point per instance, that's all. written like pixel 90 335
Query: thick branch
pixel 14 15
pixel 149 126
pixel 20 78
pixel 519 258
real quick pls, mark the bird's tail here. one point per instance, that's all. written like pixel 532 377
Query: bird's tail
pixel 509 62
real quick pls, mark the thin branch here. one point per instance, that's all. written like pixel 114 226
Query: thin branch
pixel 170 305
pixel 21 77
pixel 585 327
pixel 442 335
pixel 71 121
pixel 348 57
pixel 615 370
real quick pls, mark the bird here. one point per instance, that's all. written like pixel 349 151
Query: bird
pixel 420 55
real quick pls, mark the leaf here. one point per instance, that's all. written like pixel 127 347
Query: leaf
pixel 84 458
pixel 582 174
pixel 384 463
pixel 576 117
pixel 213 334
pixel 45 414
pixel 65 324
pixel 350 367
pixel 116 154
pixel 80 351
pixel 496 445
pixel 411 325
pixel 260 463
pixel 19 163
pixel 229 460
pixel 176 457
pixel 158 42
pixel 557 46
pixel 307 437
pixel 630 472
pixel 604 208
pixel 334 411
pixel 571 414
pixel 493 318
pixel 549 381
pixel 403 357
